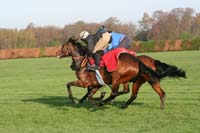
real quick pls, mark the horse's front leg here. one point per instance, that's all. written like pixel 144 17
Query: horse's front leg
pixel 73 83
pixel 89 89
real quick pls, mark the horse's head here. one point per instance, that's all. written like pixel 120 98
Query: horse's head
pixel 71 48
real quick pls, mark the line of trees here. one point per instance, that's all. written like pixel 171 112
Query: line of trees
pixel 35 36
pixel 179 23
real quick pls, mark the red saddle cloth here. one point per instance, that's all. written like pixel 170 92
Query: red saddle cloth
pixel 109 59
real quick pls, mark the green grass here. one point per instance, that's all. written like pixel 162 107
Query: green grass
pixel 33 99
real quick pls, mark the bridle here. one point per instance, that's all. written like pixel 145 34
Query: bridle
pixel 76 56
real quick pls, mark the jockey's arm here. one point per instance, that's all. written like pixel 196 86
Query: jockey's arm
pixel 90 44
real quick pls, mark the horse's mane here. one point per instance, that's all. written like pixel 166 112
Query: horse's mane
pixel 83 50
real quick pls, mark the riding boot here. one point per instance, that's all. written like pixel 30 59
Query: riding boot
pixel 97 58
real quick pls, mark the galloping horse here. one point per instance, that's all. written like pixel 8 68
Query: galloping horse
pixel 129 69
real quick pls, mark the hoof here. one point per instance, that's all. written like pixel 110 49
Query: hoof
pixel 92 102
pixel 124 106
pixel 111 102
pixel 75 101
pixel 103 94
pixel 96 106
pixel 81 101
pixel 100 104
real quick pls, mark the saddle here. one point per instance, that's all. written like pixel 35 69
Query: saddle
pixel 109 59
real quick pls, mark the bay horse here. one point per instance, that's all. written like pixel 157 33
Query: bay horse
pixel 129 69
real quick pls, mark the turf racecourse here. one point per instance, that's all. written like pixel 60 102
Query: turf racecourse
pixel 33 99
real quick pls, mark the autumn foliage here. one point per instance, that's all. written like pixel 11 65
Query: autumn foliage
pixel 153 34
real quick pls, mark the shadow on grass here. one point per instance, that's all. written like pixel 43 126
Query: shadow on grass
pixel 62 102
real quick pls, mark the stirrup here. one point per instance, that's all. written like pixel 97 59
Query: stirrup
pixel 99 78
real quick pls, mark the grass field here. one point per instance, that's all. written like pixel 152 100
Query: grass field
pixel 33 99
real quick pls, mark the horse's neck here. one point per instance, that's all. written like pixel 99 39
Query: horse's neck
pixel 76 63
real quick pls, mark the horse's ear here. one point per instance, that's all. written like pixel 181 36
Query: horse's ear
pixel 72 39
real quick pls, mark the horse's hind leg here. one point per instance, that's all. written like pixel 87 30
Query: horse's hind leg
pixel 135 89
pixel 92 92
pixel 100 97
pixel 156 86
pixel 125 89
pixel 114 93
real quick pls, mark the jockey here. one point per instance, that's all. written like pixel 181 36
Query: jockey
pixel 103 41
pixel 91 40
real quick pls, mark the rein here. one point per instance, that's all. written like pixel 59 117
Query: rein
pixel 78 57
pixel 83 64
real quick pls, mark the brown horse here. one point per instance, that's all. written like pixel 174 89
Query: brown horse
pixel 165 70
pixel 129 69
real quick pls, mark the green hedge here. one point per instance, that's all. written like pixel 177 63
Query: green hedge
pixel 149 46
pixel 195 44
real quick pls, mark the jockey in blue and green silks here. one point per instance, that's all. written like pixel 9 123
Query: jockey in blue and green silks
pixel 118 40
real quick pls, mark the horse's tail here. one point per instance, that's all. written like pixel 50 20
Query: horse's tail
pixel 166 70
pixel 147 70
